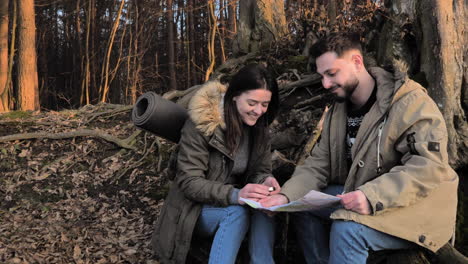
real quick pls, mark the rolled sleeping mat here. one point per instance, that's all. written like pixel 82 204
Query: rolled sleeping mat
pixel 159 116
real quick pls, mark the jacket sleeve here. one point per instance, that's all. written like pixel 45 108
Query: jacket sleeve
pixel 315 172
pixel 422 143
pixel 192 166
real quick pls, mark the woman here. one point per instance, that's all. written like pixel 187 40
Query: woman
pixel 224 155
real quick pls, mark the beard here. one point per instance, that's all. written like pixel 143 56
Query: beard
pixel 348 88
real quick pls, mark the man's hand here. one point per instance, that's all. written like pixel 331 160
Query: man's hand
pixel 272 182
pixel 254 192
pixel 355 201
pixel 276 199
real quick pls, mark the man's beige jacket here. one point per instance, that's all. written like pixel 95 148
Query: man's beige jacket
pixel 400 162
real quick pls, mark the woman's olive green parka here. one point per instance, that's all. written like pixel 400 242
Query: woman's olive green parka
pixel 203 165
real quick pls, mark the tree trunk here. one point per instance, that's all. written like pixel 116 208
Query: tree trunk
pixel 28 91
pixel 11 57
pixel 105 69
pixel 332 11
pixel 85 96
pixel 261 24
pixel 170 46
pixel 232 20
pixel 211 41
pixel 4 56
pixel 444 49
pixel 192 47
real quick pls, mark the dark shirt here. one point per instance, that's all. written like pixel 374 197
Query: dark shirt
pixel 354 120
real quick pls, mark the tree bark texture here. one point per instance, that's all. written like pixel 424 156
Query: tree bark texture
pixel 448 45
pixel 431 38
pixel 232 20
pixel 332 11
pixel 170 46
pixel 28 89
pixel 261 24
pixel 3 55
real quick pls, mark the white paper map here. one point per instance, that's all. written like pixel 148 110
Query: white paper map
pixel 313 200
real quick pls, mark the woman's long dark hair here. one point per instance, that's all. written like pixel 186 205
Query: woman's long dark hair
pixel 250 77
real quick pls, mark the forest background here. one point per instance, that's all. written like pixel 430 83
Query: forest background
pixel 70 71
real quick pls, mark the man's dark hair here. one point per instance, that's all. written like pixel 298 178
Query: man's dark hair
pixel 336 42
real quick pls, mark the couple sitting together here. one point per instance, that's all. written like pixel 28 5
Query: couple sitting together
pixel 383 151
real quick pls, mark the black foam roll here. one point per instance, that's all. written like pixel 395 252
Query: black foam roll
pixel 159 116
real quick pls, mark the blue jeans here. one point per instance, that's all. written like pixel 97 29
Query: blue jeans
pixel 229 225
pixel 261 238
pixel 334 241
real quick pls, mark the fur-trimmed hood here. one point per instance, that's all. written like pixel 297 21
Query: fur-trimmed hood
pixel 206 107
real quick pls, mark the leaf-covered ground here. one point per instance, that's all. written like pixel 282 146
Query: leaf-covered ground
pixel 80 199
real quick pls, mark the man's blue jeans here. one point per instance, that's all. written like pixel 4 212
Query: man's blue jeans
pixel 229 225
pixel 334 241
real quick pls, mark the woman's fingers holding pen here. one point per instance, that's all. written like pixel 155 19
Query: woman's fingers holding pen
pixel 256 191
pixel 273 184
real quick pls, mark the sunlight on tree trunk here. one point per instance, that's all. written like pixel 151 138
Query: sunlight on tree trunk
pixel 104 90
pixel 211 40
pixel 261 24
pixel 442 60
pixel 85 98
pixel 27 66
pixel 4 56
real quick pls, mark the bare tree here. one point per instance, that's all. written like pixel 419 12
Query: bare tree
pixel 332 11
pixel 104 89
pixel 28 89
pixel 170 45
pixel 4 56
pixel 232 19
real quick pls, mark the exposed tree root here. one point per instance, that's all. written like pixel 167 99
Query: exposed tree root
pixel 78 133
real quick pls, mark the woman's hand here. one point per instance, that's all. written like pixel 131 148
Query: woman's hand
pixel 277 199
pixel 272 182
pixel 254 192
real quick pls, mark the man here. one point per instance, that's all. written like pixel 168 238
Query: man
pixel 383 151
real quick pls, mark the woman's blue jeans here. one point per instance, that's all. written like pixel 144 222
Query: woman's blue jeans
pixel 334 241
pixel 229 225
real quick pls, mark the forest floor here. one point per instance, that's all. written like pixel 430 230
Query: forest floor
pixel 79 199
pixel 83 186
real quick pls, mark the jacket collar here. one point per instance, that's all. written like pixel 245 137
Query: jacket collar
pixel 206 112
pixel 206 109
pixel 392 87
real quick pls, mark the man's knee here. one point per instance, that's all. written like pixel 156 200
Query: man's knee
pixel 346 230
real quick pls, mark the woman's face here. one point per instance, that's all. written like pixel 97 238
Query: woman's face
pixel 252 104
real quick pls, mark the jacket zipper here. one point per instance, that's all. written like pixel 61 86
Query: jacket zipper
pixel 379 138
